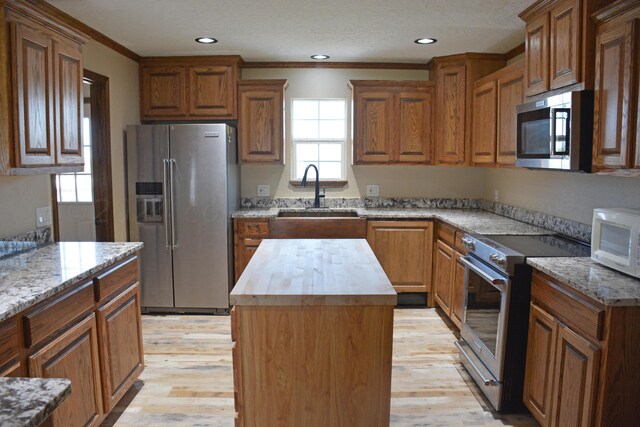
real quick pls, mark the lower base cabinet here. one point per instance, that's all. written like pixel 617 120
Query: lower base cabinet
pixel 74 355
pixel 448 272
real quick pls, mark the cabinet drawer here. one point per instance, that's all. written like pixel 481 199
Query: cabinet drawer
pixel 446 233
pixel 116 278
pixel 253 228
pixel 9 348
pixel 576 311
pixel 50 316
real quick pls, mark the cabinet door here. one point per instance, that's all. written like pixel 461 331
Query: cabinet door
pixel 450 124
pixel 245 249
pixel 510 94
pixel 416 130
pixel 538 384
pixel 457 292
pixel 374 126
pixel 120 331
pixel 564 44
pixel 69 102
pixel 74 355
pixel 574 380
pixel 616 58
pixel 537 55
pixel 404 252
pixel 443 275
pixel 212 92
pixel 260 124
pixel 32 62
pixel 163 92
pixel 485 120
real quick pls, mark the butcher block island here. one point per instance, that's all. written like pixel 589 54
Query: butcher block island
pixel 312 326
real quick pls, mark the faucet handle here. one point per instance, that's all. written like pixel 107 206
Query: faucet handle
pixel 321 196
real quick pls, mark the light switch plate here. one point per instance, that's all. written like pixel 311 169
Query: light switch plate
pixel 43 216
pixel 263 190
pixel 373 190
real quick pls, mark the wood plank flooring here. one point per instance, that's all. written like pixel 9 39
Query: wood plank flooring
pixel 188 379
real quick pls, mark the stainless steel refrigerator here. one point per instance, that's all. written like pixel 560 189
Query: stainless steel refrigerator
pixel 183 183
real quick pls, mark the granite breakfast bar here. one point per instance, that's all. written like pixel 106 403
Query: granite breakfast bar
pixel 312 326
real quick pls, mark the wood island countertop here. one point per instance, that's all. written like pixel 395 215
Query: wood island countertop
pixel 313 272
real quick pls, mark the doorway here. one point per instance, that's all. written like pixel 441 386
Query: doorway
pixel 82 201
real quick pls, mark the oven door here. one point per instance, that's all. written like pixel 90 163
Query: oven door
pixel 484 319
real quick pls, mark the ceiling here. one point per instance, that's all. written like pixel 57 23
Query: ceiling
pixel 287 30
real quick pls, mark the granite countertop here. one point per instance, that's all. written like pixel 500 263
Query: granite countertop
pixel 468 220
pixel 29 401
pixel 30 277
pixel 292 272
pixel 603 284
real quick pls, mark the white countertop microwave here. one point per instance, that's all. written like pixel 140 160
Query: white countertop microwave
pixel 615 239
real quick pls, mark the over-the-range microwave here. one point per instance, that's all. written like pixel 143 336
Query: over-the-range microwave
pixel 556 132
pixel 615 239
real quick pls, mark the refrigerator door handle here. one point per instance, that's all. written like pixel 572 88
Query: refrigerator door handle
pixel 172 163
pixel 165 205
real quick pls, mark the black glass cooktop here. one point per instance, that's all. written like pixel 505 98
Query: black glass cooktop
pixel 542 246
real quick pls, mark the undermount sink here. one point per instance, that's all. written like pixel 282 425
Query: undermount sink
pixel 317 214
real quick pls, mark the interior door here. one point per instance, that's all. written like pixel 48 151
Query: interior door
pixel 199 211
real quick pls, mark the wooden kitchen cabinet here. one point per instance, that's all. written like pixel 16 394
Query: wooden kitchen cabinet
pixel 189 88
pixel 404 250
pixel 454 76
pixel 448 271
pixel 392 122
pixel 616 147
pixel 457 293
pixel 9 349
pixel 261 121
pixel 248 234
pixel 495 98
pixel 443 275
pixel 41 118
pixel 74 355
pixel 581 367
pixel 559 41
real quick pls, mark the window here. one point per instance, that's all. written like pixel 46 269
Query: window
pixel 77 186
pixel 319 137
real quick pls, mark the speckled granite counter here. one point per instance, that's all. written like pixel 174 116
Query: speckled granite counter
pixel 30 277
pixel 29 401
pixel 469 220
pixel 597 281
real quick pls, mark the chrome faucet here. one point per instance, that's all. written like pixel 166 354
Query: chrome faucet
pixel 316 200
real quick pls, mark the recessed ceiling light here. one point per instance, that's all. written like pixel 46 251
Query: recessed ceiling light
pixel 320 57
pixel 425 40
pixel 206 40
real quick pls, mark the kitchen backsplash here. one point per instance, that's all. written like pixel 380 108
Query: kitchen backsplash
pixel 11 245
pixel 559 225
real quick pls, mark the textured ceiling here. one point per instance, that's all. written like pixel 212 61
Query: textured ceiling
pixel 286 30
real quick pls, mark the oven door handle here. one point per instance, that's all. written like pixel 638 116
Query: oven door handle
pixel 498 282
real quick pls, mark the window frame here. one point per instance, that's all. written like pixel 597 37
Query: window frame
pixel 86 143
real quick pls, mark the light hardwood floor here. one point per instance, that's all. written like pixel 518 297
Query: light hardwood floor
pixel 188 379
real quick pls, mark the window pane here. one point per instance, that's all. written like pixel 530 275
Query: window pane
pixel 332 109
pixel 305 129
pixel 87 160
pixel 301 166
pixel 305 109
pixel 84 188
pixel 307 152
pixel 332 129
pixel 331 152
pixel 67 188
pixel 86 131
pixel 330 170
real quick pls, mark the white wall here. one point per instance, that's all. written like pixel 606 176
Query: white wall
pixel 124 110
pixel 20 196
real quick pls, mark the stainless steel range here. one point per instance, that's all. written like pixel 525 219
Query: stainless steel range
pixel 496 310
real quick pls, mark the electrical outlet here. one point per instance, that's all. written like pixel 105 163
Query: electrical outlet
pixel 43 216
pixel 373 190
pixel 496 195
pixel 263 190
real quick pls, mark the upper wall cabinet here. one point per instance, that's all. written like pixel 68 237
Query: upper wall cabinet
pixel 41 108
pixel 455 76
pixel 559 40
pixel 189 88
pixel 616 145
pixel 392 121
pixel 261 121
pixel 495 98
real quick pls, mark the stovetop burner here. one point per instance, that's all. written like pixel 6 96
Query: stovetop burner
pixel 540 246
